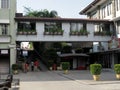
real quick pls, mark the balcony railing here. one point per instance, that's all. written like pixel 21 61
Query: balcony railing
pixel 26 32
pixel 79 33
pixel 102 33
pixel 53 32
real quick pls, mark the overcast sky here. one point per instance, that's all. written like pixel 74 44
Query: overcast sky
pixel 65 8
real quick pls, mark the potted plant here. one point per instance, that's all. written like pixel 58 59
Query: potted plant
pixel 65 67
pixel 15 68
pixel 95 70
pixel 117 70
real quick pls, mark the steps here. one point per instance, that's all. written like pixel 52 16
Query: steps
pixel 4 66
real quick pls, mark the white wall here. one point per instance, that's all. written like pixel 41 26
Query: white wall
pixel 65 37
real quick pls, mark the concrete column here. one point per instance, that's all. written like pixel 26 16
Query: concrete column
pixel 12 56
pixel 113 9
pixel 113 60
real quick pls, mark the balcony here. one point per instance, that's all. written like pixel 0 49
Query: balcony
pixel 102 33
pixel 79 33
pixel 53 32
pixel 26 32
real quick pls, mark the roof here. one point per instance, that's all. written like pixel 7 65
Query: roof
pixel 38 19
pixel 90 6
pixel 73 55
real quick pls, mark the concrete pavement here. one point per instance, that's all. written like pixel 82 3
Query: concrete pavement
pixel 75 80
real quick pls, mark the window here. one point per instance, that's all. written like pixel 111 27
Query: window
pixel 103 12
pixel 94 15
pixel 4 3
pixel 24 26
pixel 4 29
pixel 52 26
pixel 109 9
pixel 118 27
pixel 84 26
pixel 117 5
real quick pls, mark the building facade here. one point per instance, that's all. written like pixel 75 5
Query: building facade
pixel 107 10
pixel 80 33
pixel 15 28
pixel 104 9
pixel 7 35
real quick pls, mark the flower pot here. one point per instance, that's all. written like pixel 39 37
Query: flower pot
pixel 65 71
pixel 96 77
pixel 118 76
pixel 50 68
pixel 15 71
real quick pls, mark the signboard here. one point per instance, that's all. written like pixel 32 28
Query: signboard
pixel 26 46
pixel 4 51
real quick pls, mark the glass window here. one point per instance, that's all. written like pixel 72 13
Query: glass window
pixel 23 26
pixel 117 4
pixel 109 9
pixel 53 26
pixel 103 12
pixel 4 3
pixel 4 29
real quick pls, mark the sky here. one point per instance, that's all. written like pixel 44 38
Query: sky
pixel 65 8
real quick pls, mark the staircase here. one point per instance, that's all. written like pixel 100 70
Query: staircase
pixel 4 66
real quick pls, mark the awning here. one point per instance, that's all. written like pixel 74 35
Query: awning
pixel 73 55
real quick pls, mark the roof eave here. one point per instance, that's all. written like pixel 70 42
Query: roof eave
pixel 83 12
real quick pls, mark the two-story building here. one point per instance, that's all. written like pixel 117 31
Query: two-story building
pixel 7 35
pixel 15 28
pixel 79 32
pixel 107 10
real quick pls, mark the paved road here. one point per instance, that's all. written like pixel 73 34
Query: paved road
pixel 75 80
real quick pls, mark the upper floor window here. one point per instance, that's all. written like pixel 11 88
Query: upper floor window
pixel 4 3
pixel 78 26
pixel 4 29
pixel 26 26
pixel 109 9
pixel 117 5
pixel 53 26
pixel 94 15
pixel 103 12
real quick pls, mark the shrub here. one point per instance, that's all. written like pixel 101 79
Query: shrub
pixel 95 69
pixel 79 50
pixel 67 49
pixel 15 67
pixel 65 65
pixel 117 68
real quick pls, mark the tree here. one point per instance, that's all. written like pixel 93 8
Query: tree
pixel 40 13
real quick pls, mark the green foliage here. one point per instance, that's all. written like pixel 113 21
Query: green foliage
pixel 67 49
pixel 117 68
pixel 57 46
pixel 15 67
pixel 51 54
pixel 31 45
pixel 40 13
pixel 95 69
pixel 65 65
pixel 79 50
pixel 50 63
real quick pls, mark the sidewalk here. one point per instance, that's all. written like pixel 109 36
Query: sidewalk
pixel 75 80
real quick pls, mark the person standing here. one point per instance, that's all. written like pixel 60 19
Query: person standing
pixel 32 66
pixel 36 65
pixel 26 67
